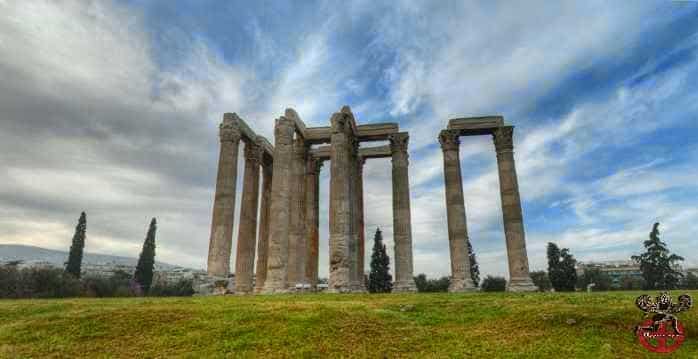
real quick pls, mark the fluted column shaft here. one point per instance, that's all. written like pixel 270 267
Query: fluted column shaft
pixel 519 278
pixel 341 221
pixel 402 217
pixel 247 230
pixel 220 241
pixel 264 223
pixel 360 217
pixel 297 242
pixel 277 264
pixel 312 222
pixel 455 212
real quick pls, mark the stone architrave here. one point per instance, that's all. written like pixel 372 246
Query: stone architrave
pixel 277 261
pixel 312 222
pixel 455 211
pixel 341 221
pixel 220 242
pixel 520 279
pixel 402 222
pixel 264 224
pixel 247 230
pixel 297 247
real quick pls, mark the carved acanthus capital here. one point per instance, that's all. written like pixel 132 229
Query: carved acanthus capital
pixel 504 138
pixel 311 166
pixel 449 140
pixel 284 130
pixel 399 142
pixel 229 129
pixel 254 152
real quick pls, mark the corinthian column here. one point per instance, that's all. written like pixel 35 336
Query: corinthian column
pixel 402 217
pixel 277 264
pixel 224 202
pixel 312 191
pixel 247 232
pixel 340 203
pixel 455 212
pixel 264 222
pixel 519 278
pixel 296 240
pixel 361 225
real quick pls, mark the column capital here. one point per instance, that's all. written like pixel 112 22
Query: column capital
pixel 229 129
pixel 254 152
pixel 283 130
pixel 313 165
pixel 449 140
pixel 399 142
pixel 504 139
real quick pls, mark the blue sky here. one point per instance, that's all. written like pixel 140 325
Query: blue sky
pixel 112 106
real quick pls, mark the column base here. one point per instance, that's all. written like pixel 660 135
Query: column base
pixel 521 284
pixel 271 288
pixel 462 285
pixel 404 286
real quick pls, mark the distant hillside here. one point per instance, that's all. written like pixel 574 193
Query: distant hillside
pixel 31 254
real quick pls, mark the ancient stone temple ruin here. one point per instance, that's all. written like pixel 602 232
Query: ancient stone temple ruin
pixel 511 202
pixel 287 243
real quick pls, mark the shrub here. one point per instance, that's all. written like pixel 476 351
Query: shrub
pixel 493 284
pixel 431 285
pixel 116 285
pixel 180 288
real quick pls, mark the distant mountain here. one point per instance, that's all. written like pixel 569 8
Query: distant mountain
pixel 31 254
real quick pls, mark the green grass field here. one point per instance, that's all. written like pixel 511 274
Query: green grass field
pixel 324 325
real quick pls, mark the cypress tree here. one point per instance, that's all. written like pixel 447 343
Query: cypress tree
pixel 379 280
pixel 658 264
pixel 146 261
pixel 474 267
pixel 74 263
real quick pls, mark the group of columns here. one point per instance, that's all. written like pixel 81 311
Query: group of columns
pixel 287 244
pixel 257 155
pixel 511 206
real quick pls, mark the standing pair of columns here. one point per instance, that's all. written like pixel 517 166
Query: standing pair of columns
pixel 224 207
pixel 511 212
pixel 293 241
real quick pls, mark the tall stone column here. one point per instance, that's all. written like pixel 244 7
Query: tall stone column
pixel 296 241
pixel 247 231
pixel 340 204
pixel 357 280
pixel 277 261
pixel 264 224
pixel 402 216
pixel 220 242
pixel 455 212
pixel 361 246
pixel 519 278
pixel 312 221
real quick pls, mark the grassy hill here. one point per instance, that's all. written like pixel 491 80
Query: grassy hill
pixel 322 325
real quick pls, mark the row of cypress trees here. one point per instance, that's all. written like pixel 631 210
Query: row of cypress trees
pixel 143 275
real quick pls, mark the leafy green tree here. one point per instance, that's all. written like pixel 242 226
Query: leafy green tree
pixel 474 267
pixel 74 262
pixel 691 281
pixel 631 283
pixel 657 264
pixel 601 280
pixel 146 262
pixel 379 280
pixel 431 285
pixel 494 284
pixel 561 271
pixel 541 280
